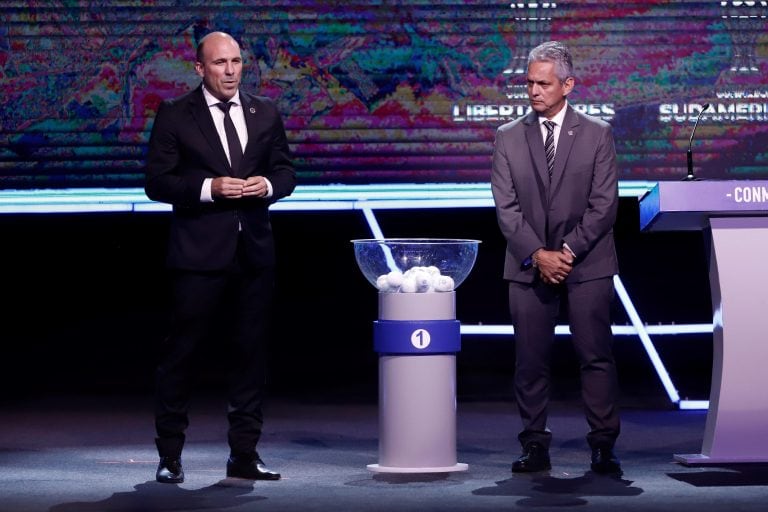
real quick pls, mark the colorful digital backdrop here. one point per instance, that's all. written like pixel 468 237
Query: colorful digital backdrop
pixel 387 91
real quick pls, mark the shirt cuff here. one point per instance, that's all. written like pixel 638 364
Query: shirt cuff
pixel 565 246
pixel 205 193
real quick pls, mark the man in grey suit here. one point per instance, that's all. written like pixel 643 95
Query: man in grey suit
pixel 555 186
pixel 220 156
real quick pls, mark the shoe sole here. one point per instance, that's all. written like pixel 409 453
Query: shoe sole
pixel 170 481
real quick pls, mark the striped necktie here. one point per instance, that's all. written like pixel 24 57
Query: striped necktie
pixel 549 146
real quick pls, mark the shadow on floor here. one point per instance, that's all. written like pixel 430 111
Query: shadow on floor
pixel 726 475
pixel 155 497
pixel 546 490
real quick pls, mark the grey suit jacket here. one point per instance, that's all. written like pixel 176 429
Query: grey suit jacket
pixel 578 207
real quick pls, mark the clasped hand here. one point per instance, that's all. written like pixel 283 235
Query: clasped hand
pixel 554 266
pixel 234 188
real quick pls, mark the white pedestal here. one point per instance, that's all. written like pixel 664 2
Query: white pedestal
pixel 417 394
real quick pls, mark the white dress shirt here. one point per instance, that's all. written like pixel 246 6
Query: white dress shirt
pixel 238 119
pixel 558 120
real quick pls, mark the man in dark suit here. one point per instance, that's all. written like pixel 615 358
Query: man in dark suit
pixel 220 156
pixel 555 186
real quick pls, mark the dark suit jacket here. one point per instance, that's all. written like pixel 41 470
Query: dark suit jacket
pixel 184 150
pixel 578 207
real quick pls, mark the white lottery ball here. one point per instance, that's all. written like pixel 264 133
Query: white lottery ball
pixel 382 283
pixel 409 285
pixel 444 284
pixel 423 281
pixel 395 278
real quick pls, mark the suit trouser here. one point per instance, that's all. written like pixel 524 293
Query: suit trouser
pixel 230 309
pixel 535 310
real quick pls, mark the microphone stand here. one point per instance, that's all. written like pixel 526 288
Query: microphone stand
pixel 690 176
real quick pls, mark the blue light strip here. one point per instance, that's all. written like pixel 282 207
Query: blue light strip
pixel 304 198
pixel 373 224
pixel 378 234
pixel 691 405
pixel 618 330
pixel 672 329
pixel 658 365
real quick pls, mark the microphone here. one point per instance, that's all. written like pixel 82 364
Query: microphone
pixel 690 176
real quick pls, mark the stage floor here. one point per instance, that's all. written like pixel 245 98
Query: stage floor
pixel 88 454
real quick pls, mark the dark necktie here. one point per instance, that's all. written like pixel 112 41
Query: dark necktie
pixel 549 146
pixel 233 141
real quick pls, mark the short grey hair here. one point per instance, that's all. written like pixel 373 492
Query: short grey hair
pixel 556 52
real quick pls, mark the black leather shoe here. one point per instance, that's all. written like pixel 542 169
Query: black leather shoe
pixel 169 471
pixel 250 470
pixel 535 457
pixel 605 461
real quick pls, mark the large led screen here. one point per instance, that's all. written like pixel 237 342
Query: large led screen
pixel 387 91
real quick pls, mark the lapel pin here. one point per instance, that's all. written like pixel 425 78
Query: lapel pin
pixel 252 110
pixel 570 132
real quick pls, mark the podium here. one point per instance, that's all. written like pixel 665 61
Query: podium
pixel 734 215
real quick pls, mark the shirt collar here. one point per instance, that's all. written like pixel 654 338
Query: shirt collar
pixel 559 117
pixel 211 100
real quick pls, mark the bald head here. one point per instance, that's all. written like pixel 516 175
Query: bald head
pixel 213 36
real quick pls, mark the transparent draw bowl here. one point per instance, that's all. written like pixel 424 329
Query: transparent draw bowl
pixel 415 265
